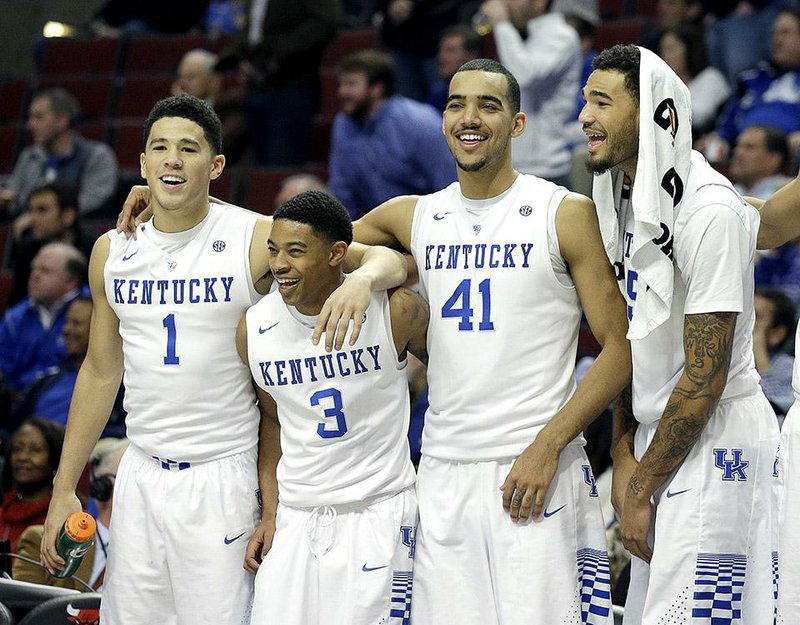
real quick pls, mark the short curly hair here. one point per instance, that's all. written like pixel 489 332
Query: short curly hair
pixel 625 59
pixel 323 212
pixel 191 108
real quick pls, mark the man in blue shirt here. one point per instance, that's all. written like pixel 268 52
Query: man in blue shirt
pixel 30 332
pixel 383 145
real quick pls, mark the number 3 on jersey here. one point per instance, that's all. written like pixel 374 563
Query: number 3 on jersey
pixel 335 412
pixel 458 305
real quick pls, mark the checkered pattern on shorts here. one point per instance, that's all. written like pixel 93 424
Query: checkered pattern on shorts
pixel 719 581
pixel 402 582
pixel 594 577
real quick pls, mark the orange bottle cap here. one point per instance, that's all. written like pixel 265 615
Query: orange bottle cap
pixel 80 526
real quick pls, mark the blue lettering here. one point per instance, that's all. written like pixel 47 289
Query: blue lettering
pixel 310 364
pixel 508 259
pixel 439 251
pixel 210 295
pixel 373 351
pixel 194 298
pixel 163 285
pixel 526 250
pixel 280 365
pixel 178 295
pixel 265 373
pixel 132 284
pixel 480 255
pixel 452 259
pixel 467 251
pixel 339 357
pixel 492 262
pixel 118 282
pixel 147 292
pixel 227 282
pixel 297 373
pixel 327 365
pixel 358 366
pixel 428 250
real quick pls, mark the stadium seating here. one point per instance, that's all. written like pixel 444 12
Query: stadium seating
pixel 82 609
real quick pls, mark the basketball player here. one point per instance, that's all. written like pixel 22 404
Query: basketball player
pixel 780 223
pixel 166 307
pixel 338 548
pixel 696 461
pixel 506 262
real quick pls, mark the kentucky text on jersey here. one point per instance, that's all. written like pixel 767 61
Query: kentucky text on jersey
pixel 178 291
pixel 340 364
pixel 478 255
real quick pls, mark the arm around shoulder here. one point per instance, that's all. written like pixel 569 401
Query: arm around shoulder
pixel 389 224
pixel 780 216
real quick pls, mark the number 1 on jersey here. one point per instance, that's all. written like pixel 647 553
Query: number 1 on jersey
pixel 461 297
pixel 169 323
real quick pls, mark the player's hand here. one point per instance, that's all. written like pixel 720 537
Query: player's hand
pixel 61 506
pixel 624 466
pixel 136 210
pixel 259 545
pixel 495 10
pixel 637 513
pixel 347 303
pixel 528 481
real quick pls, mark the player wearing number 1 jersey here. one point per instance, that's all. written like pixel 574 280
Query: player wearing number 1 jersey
pixel 166 307
pixel 338 548
pixel 506 262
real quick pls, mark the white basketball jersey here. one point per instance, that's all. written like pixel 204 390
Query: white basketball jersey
pixel 179 298
pixel 503 330
pixel 714 242
pixel 344 415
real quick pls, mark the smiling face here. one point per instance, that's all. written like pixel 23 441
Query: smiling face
pixel 305 266
pixel 610 119
pixel 30 458
pixel 178 164
pixel 478 121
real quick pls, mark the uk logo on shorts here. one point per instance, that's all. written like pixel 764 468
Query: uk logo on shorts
pixel 408 536
pixel 589 480
pixel 733 468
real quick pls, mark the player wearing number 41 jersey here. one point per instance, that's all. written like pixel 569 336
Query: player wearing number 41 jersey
pixel 338 548
pixel 166 307
pixel 506 262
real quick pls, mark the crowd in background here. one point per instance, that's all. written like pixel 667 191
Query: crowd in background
pixel 740 60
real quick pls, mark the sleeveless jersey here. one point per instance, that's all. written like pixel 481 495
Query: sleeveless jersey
pixel 714 241
pixel 503 329
pixel 179 298
pixel 344 415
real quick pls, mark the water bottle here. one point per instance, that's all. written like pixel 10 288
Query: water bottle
pixel 74 540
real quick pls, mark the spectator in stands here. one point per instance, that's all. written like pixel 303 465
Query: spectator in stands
pixel 759 160
pixel 225 17
pixel 27 477
pixel 584 17
pixel 684 50
pixel 738 33
pixel 382 144
pixel 30 332
pixel 770 94
pixel 411 30
pixel 457 45
pixel 670 13
pixel 775 323
pixel 148 17
pixel 60 153
pixel 49 395
pixel 544 54
pixel 295 185
pixel 52 215
pixel 104 462
pixel 197 76
pixel 280 54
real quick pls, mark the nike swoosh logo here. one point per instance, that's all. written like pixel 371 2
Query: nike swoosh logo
pixel 548 514
pixel 677 492
pixel 439 217
pixel 262 330
pixel 228 541
pixel 367 569
pixel 129 256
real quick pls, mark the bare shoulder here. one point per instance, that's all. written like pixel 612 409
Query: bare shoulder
pixel 576 206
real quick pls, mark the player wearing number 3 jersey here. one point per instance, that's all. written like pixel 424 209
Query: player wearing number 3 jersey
pixel 166 307
pixel 338 548
pixel 506 261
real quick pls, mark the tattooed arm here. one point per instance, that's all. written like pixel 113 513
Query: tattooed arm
pixel 707 343
pixel 622 448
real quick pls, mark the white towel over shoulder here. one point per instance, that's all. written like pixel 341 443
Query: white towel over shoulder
pixel 665 144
